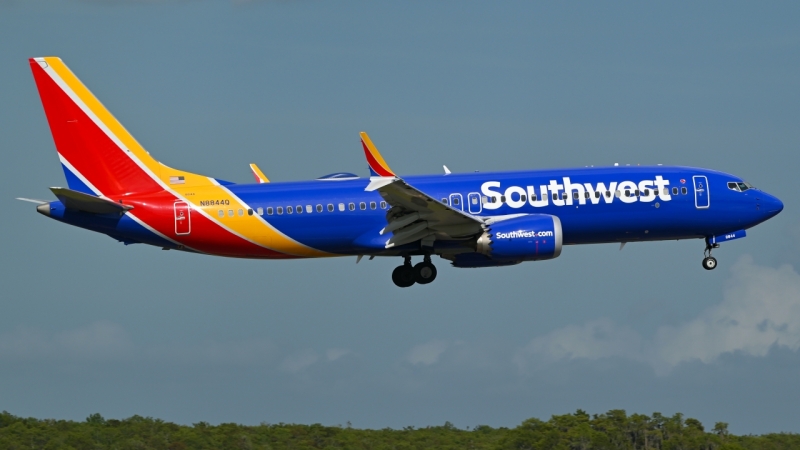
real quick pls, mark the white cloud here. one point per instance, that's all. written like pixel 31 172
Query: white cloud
pixel 336 353
pixel 248 352
pixel 593 340
pixel 105 340
pixel 428 353
pixel 760 309
pixel 296 363
pixel 99 340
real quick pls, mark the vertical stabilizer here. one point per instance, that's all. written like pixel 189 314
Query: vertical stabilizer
pixel 98 154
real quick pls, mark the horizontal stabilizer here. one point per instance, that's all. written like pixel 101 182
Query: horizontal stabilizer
pixel 88 203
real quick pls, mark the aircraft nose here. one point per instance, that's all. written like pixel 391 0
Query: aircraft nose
pixel 771 205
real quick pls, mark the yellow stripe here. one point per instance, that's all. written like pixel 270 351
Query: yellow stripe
pixel 255 228
pixel 375 153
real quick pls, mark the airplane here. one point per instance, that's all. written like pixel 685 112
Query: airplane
pixel 472 220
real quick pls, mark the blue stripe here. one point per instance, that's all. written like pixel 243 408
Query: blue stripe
pixel 75 183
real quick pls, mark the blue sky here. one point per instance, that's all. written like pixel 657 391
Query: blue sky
pixel 89 325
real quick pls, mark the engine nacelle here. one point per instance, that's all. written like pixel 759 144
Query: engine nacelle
pixel 528 238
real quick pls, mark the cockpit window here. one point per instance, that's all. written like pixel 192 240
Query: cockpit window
pixel 739 186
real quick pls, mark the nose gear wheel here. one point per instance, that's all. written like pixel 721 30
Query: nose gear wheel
pixel 709 262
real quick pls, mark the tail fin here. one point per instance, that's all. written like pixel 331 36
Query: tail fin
pixel 97 153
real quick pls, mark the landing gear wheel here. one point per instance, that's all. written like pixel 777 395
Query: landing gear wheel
pixel 709 263
pixel 403 276
pixel 424 272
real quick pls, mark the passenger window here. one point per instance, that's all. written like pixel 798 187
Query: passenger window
pixel 330 207
pixel 586 194
pixel 299 209
pixel 637 192
pixel 597 194
pixel 684 191
pixel 575 195
pixel 249 212
pixel 555 196
pixel 563 196
pixel 674 191
pixel 269 210
pixel 608 194
pixel 341 206
pixel 289 210
pixel 221 213
pixel 230 213
pixel 484 200
pixel 351 206
pixel 533 197
pixel 260 211
pixel 617 194
pixel 383 205
pixel 444 200
pixel 309 209
pixel 627 193
pixel 523 198
pixel 241 213
pixel 362 206
pixel 646 192
pixel 319 208
pixel 280 210
pixel 372 205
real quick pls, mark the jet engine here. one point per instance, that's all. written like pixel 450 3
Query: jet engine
pixel 528 238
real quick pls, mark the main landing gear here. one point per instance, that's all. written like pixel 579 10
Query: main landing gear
pixel 709 262
pixel 406 275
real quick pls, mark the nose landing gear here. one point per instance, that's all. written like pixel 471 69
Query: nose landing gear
pixel 406 275
pixel 709 262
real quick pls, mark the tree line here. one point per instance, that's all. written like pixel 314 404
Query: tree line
pixel 579 431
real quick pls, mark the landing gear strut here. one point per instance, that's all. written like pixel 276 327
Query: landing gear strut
pixel 406 275
pixel 709 262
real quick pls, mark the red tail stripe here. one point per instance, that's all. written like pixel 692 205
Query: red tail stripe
pixel 379 169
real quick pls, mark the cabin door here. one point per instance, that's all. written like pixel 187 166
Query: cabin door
pixel 701 199
pixel 183 223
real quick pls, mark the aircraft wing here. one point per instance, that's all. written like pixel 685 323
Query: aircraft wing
pixel 415 215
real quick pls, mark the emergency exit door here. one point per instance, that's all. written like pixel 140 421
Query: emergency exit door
pixel 183 222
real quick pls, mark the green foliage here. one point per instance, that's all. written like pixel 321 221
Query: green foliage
pixel 579 431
